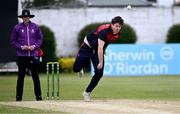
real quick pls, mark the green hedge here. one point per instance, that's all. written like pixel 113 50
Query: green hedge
pixel 173 35
pixel 48 47
pixel 84 31
pixel 127 35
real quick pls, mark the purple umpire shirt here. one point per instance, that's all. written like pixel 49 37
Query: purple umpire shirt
pixel 26 35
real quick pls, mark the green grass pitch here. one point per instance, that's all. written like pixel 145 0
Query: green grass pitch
pixel 71 87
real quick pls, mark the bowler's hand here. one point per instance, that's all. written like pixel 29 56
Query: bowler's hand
pixel 99 66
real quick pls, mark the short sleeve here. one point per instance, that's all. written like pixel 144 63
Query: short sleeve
pixel 102 34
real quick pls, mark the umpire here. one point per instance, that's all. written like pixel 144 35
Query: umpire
pixel 26 38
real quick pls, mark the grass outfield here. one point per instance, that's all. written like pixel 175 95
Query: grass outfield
pixel 71 87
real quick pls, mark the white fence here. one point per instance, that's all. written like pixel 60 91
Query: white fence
pixel 8 67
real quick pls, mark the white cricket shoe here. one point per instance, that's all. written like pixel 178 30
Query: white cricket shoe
pixel 86 96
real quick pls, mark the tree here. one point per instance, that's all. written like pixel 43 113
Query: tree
pixel 48 47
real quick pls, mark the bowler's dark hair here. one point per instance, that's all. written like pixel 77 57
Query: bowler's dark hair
pixel 117 19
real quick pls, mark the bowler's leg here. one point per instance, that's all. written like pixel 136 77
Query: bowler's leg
pixel 95 79
pixel 97 76
pixel 82 58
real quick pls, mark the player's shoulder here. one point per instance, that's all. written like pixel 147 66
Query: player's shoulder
pixel 17 26
pixel 104 26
